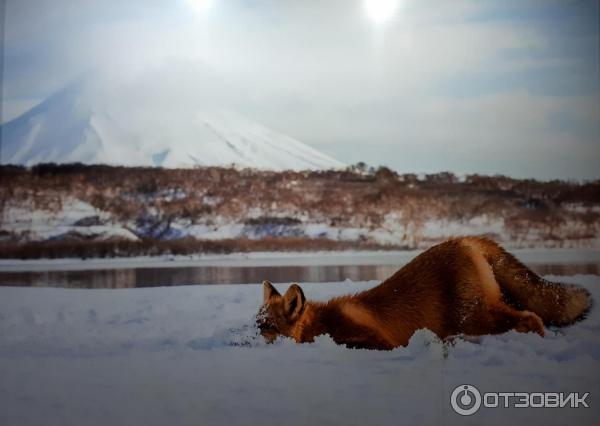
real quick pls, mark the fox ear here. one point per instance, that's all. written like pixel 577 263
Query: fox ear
pixel 293 301
pixel 269 291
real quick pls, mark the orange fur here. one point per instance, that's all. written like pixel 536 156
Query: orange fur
pixel 467 285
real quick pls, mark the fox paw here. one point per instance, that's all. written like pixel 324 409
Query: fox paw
pixel 530 321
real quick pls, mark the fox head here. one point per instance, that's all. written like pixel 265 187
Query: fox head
pixel 278 314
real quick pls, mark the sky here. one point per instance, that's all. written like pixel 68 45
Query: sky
pixel 469 86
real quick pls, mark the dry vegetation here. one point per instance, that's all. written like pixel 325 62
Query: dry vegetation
pixel 352 198
pixel 182 246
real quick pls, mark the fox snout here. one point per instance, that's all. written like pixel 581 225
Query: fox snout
pixel 265 325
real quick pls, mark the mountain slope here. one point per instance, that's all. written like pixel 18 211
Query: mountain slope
pixel 72 126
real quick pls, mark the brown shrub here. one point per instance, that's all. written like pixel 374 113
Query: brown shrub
pixel 185 246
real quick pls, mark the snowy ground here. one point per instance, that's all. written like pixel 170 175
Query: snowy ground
pixel 188 355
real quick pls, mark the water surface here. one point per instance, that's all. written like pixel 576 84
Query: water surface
pixel 204 275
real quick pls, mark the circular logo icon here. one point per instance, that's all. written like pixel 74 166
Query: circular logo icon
pixel 465 400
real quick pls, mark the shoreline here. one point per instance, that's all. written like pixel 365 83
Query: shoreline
pixel 261 259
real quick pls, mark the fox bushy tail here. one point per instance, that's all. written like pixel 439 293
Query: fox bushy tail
pixel 556 303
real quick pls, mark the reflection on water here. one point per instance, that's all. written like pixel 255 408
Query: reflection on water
pixel 155 277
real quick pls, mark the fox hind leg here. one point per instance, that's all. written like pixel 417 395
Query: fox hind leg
pixel 483 309
pixel 504 318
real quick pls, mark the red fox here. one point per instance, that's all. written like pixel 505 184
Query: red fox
pixel 467 285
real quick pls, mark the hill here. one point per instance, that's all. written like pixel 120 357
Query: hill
pixel 59 210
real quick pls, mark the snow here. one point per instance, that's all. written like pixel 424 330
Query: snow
pixel 581 208
pixel 395 232
pixel 78 124
pixel 56 221
pixel 477 225
pixel 205 232
pixel 189 355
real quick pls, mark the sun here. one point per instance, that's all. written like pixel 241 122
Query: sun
pixel 381 10
pixel 199 6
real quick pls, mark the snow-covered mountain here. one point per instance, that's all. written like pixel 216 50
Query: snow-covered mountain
pixel 75 126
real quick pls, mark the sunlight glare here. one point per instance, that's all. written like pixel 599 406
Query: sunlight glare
pixel 199 6
pixel 381 10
